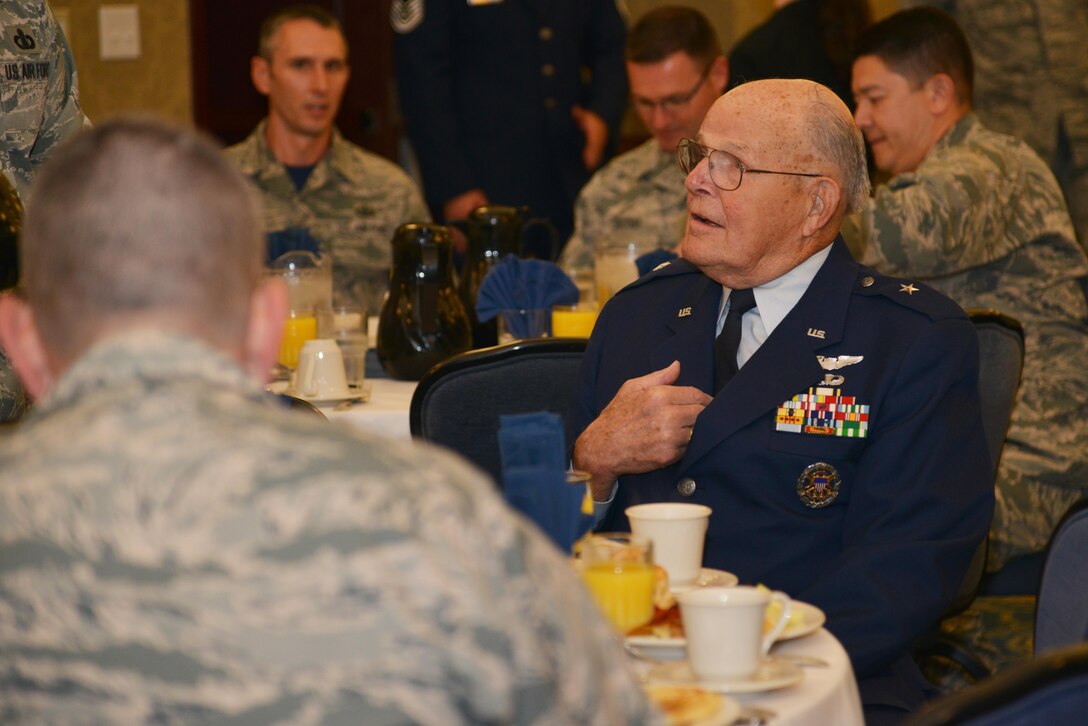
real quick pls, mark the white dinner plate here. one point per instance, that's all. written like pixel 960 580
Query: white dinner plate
pixel 708 577
pixel 728 712
pixel 772 674
pixel 804 619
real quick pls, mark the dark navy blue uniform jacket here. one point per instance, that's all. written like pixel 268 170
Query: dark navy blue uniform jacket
pixel 885 557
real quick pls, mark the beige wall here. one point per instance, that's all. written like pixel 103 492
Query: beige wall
pixel 159 81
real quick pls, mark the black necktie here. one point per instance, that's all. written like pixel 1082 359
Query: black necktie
pixel 725 347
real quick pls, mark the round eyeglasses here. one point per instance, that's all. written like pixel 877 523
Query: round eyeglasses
pixel 726 170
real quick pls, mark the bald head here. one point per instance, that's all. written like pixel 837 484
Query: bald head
pixel 808 122
pixel 786 164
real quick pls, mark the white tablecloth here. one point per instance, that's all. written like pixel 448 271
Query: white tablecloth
pixel 385 414
pixel 826 694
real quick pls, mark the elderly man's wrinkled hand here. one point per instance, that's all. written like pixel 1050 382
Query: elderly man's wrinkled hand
pixel 645 427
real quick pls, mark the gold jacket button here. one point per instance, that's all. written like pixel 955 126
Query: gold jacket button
pixel 545 33
pixel 867 281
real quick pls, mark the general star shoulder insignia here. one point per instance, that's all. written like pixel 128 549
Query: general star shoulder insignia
pixel 663 264
pixel 909 288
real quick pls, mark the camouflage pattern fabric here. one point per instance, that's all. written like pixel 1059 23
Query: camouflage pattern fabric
pixel 175 547
pixel 13 399
pixel 351 204
pixel 983 221
pixel 1031 77
pixel 39 98
pixel 638 197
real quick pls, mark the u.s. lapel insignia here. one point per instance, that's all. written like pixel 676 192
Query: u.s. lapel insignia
pixel 684 312
pixel 909 288
pixel 823 411
pixel 663 264
pixel 818 485
pixel 816 333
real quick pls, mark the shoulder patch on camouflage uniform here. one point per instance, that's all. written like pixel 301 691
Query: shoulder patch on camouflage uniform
pixel 908 293
pixel 406 15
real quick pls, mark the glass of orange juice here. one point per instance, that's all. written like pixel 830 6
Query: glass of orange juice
pixel 618 569
pixel 298 327
pixel 574 321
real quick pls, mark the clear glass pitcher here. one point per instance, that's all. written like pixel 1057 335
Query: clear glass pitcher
pixel 308 277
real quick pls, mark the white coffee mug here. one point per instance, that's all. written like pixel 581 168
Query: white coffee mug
pixel 678 532
pixel 724 629
pixel 320 373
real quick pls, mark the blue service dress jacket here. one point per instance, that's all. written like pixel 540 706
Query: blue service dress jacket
pixel 862 486
pixel 486 89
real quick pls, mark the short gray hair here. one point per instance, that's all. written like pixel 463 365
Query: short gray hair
pixel 836 137
pixel 140 219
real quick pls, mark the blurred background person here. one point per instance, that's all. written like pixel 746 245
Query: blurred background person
pixel 1031 81
pixel 676 70
pixel 319 191
pixel 39 110
pixel 39 95
pixel 178 547
pixel 979 216
pixel 813 39
pixel 509 103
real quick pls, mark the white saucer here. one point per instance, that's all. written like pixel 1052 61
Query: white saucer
pixel 353 394
pixel 804 619
pixel 771 674
pixel 708 577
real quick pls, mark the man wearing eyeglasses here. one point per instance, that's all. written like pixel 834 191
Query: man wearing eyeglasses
pixel 827 415
pixel 676 70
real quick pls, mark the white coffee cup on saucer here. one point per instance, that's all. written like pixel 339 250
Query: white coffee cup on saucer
pixel 678 531
pixel 320 374
pixel 724 629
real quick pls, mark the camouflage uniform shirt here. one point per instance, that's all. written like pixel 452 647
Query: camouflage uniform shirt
pixel 638 197
pixel 177 548
pixel 351 204
pixel 983 221
pixel 39 99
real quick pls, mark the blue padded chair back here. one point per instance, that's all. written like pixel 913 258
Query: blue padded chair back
pixel 458 402
pixel 1001 361
pixel 1050 689
pixel 1061 612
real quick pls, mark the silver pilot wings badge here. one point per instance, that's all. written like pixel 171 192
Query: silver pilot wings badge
pixel 829 363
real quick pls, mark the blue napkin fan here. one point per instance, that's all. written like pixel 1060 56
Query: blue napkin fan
pixel 535 478
pixel 517 284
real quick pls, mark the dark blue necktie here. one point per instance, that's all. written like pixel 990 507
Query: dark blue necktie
pixel 725 347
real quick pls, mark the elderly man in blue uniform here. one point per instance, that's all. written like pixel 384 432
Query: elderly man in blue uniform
pixel 511 102
pixel 844 461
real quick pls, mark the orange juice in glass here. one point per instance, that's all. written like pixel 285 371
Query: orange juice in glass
pixel 573 321
pixel 298 327
pixel 618 570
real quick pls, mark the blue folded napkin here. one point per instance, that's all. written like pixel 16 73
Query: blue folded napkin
pixel 650 260
pixel 517 284
pixel 535 478
pixel 290 239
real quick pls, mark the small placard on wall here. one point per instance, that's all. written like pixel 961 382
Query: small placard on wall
pixel 119 32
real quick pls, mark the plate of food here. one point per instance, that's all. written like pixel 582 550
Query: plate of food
pixel 686 706
pixel 771 675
